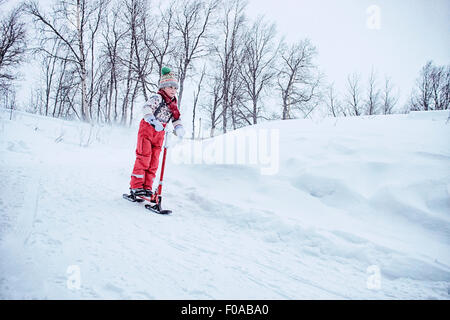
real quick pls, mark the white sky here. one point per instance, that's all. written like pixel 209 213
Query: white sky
pixel 411 33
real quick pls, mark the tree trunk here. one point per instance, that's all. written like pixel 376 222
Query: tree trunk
pixel 133 97
pixel 84 100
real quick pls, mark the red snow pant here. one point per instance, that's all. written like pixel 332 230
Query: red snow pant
pixel 149 143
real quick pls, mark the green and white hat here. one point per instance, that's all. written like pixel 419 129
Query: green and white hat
pixel 168 78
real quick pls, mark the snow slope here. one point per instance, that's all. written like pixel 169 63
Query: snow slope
pixel 356 208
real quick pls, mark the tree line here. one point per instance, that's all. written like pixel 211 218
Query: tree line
pixel 100 59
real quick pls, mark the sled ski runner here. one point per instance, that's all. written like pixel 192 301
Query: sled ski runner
pixel 154 206
pixel 155 198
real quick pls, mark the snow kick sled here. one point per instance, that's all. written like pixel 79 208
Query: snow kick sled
pixel 155 201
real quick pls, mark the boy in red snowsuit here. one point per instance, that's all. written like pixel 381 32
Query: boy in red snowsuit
pixel 158 111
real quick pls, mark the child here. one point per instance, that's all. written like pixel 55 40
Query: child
pixel 158 111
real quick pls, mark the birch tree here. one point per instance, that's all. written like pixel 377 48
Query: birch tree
pixel 227 51
pixel 373 95
pixel 70 23
pixel 389 100
pixel 298 79
pixel 191 23
pixel 257 68
pixel 432 90
pixel 353 95
pixel 333 102
pixel 12 47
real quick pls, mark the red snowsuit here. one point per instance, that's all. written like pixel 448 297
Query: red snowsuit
pixel 149 141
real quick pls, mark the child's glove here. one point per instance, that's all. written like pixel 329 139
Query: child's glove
pixel 179 131
pixel 150 118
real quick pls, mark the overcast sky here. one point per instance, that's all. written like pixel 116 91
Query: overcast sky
pixel 350 38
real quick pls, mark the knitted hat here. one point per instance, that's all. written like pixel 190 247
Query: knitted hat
pixel 168 78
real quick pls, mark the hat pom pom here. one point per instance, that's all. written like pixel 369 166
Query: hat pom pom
pixel 165 70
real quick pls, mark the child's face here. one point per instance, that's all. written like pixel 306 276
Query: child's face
pixel 171 91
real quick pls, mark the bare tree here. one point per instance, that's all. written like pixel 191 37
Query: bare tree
pixel 238 110
pixel 192 23
pixel 439 78
pixel 388 99
pixel 35 101
pixel 80 17
pixel 159 44
pixel 48 67
pixel 12 47
pixel 213 106
pixel 93 25
pixel 196 95
pixel 131 19
pixel 127 58
pixel 446 89
pixel 421 99
pixel 133 98
pixel 70 23
pixel 101 93
pixel 227 51
pixel 257 68
pixel 432 88
pixel 149 48
pixel 58 77
pixel 298 79
pixel 373 95
pixel 333 103
pixel 353 96
pixel 67 90
pixel 11 101
pixel 112 35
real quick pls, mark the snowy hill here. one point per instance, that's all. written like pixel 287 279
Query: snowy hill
pixel 352 208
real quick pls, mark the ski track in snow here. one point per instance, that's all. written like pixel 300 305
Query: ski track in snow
pixel 309 232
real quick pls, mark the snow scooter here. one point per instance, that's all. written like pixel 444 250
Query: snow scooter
pixel 156 197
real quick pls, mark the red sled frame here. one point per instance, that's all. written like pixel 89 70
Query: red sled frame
pixel 156 197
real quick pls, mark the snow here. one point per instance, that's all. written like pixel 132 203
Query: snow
pixel 346 208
